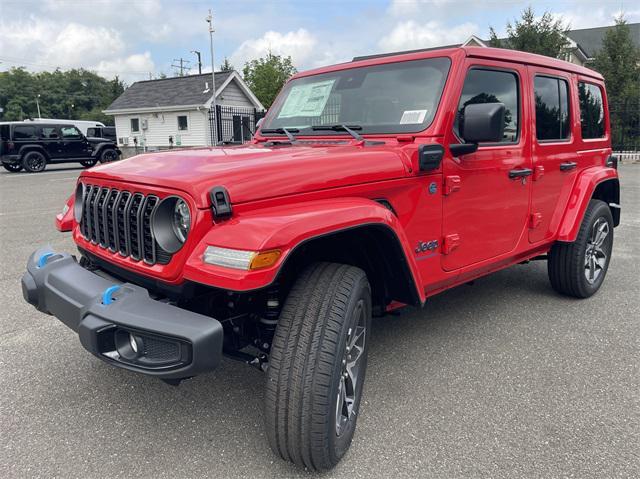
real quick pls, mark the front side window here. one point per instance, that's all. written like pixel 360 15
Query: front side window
pixel 24 132
pixel 135 125
pixel 591 110
pixel 552 108
pixel 70 132
pixel 183 123
pixel 390 98
pixel 492 86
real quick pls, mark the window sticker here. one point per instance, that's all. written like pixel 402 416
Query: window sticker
pixel 307 100
pixel 413 116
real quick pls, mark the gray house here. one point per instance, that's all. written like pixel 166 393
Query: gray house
pixel 178 111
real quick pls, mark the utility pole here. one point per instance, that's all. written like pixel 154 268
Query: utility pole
pixel 213 80
pixel 183 65
pixel 199 61
pixel 38 104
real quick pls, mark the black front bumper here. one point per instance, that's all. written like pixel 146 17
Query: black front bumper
pixel 119 323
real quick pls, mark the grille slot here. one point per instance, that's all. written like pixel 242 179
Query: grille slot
pixel 121 222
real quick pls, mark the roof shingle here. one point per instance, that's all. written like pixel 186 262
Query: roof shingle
pixel 167 92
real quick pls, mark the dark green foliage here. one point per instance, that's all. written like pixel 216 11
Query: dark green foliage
pixel 545 35
pixel 265 76
pixel 226 66
pixel 619 62
pixel 73 94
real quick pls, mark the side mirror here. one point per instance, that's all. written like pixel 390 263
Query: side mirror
pixel 483 122
pixel 480 122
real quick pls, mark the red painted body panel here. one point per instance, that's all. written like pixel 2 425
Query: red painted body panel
pixel 65 222
pixel 283 196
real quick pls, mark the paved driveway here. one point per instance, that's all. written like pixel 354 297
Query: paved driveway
pixel 500 379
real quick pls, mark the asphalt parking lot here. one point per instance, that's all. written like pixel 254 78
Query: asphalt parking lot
pixel 500 379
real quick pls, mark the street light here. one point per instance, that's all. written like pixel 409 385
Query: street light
pixel 38 105
pixel 213 80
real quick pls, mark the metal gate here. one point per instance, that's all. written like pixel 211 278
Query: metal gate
pixel 233 124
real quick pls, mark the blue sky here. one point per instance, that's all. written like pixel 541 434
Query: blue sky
pixel 138 38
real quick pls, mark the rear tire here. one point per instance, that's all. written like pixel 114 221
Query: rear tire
pixel 578 269
pixel 314 383
pixel 12 167
pixel 34 162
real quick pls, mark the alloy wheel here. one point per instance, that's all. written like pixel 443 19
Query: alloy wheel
pixel 595 256
pixel 351 369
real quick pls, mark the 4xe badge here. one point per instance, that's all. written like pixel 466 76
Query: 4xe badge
pixel 424 246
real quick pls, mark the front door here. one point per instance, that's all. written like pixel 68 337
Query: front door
pixel 486 203
pixel 74 144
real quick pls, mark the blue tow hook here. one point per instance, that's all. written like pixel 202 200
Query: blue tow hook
pixel 42 260
pixel 107 296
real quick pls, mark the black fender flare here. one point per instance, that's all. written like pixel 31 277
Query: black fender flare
pixel 99 148
pixel 24 149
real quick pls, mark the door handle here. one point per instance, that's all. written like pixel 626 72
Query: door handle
pixel 569 165
pixel 520 173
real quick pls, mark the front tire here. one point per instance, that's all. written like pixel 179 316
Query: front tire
pixel 317 366
pixel 34 162
pixel 578 269
pixel 12 167
pixel 108 155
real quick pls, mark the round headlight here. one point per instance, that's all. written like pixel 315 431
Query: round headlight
pixel 181 220
pixel 171 223
pixel 78 202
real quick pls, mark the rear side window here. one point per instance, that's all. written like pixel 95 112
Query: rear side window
pixel 591 110
pixel 4 132
pixel 552 108
pixel 49 132
pixel 493 86
pixel 24 132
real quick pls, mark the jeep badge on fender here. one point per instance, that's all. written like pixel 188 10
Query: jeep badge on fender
pixel 278 252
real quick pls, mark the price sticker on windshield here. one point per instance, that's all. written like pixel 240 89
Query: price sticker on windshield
pixel 306 100
pixel 413 116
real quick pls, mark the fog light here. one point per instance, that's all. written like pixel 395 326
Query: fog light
pixel 134 343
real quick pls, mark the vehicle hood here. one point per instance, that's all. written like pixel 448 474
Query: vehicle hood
pixel 255 172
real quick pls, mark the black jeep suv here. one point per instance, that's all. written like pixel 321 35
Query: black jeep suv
pixel 32 145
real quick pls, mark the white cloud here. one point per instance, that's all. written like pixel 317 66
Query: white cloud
pixel 410 7
pixel 299 44
pixel 408 35
pixel 136 65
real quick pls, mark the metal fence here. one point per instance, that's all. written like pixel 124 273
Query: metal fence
pixel 233 124
pixel 625 130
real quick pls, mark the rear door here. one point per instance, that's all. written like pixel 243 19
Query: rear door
pixel 74 144
pixel 485 209
pixel 51 141
pixel 554 145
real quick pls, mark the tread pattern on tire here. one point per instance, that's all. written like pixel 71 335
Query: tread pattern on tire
pixel 302 364
pixel 565 264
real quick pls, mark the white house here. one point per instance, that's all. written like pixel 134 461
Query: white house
pixel 176 111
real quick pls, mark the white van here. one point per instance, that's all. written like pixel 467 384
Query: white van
pixel 82 125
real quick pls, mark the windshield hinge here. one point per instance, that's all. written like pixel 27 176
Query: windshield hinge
pixel 405 138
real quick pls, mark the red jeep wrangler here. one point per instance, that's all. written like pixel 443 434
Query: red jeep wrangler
pixel 370 185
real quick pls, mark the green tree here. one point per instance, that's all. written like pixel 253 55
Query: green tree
pixel 265 76
pixel 619 63
pixel 73 94
pixel 545 35
pixel 226 66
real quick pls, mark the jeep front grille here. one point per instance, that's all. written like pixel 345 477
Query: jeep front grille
pixel 120 221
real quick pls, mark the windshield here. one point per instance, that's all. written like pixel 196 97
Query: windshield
pixel 392 98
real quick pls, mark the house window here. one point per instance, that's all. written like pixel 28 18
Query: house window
pixel 135 125
pixel 493 86
pixel 591 110
pixel 552 108
pixel 183 123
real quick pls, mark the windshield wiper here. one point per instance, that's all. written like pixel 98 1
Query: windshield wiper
pixel 349 129
pixel 287 131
